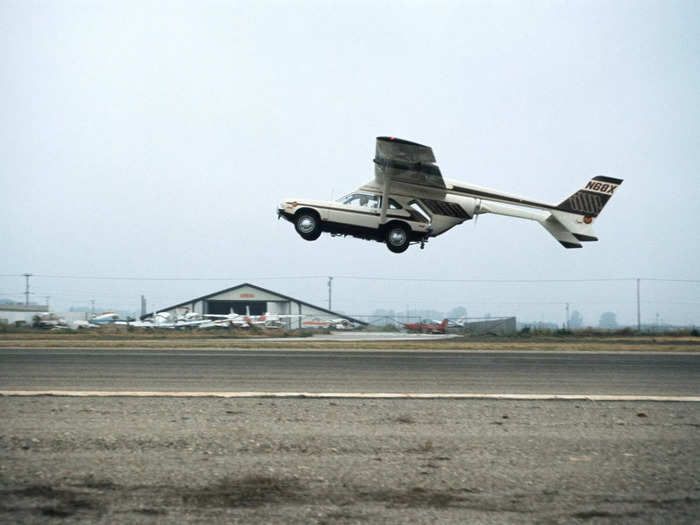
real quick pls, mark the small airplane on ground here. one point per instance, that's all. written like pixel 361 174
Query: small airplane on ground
pixel 269 320
pixel 167 320
pixel 229 320
pixel 426 326
pixel 232 319
pixel 49 320
pixel 335 324
pixel 105 318
pixel 81 324
pixel 408 202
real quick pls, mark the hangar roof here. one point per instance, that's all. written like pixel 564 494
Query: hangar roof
pixel 282 297
pixel 23 308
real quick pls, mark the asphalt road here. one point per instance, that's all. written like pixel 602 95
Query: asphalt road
pixel 351 371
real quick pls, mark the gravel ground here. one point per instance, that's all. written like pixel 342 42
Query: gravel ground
pixel 164 460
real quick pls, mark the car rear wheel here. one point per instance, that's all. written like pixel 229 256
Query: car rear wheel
pixel 308 224
pixel 396 237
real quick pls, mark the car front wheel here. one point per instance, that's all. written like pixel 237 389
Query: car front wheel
pixel 308 224
pixel 396 237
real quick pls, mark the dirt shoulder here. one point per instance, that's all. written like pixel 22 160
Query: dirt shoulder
pixel 347 461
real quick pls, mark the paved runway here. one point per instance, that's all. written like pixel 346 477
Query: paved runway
pixel 351 371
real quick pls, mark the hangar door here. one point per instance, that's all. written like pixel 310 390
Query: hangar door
pixel 239 307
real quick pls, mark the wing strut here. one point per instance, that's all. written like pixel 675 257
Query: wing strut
pixel 385 198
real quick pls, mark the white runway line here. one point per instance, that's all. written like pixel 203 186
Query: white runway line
pixel 346 395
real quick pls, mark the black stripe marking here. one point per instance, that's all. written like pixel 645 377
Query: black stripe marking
pixel 585 203
pixel 585 238
pixel 449 209
pixel 570 244
pixel 603 178
pixel 401 141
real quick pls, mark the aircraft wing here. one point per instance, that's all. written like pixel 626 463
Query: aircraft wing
pixel 404 161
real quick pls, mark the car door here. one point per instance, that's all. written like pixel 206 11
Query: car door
pixel 357 209
pixel 411 212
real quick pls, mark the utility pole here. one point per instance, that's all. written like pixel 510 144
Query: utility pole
pixel 639 315
pixel 26 290
pixel 92 306
pixel 567 316
pixel 330 293
pixel 48 308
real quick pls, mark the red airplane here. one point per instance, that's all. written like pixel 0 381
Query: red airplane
pixel 427 326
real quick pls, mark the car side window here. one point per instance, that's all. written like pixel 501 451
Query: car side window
pixel 393 205
pixel 361 199
pixel 348 199
pixel 373 201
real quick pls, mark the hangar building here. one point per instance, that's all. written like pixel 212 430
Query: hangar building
pixel 16 313
pixel 254 300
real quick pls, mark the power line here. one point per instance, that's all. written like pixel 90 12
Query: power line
pixel 580 280
pixel 669 280
pixel 431 280
pixel 355 277
pixel 99 278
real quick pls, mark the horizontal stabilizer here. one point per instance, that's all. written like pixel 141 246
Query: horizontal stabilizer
pixel 565 237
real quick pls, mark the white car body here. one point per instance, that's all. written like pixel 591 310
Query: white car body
pixel 409 201
pixel 358 220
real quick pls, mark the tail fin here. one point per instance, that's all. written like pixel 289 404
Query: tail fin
pixel 443 325
pixel 570 223
pixel 590 200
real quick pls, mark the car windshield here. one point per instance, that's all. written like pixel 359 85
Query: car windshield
pixel 361 199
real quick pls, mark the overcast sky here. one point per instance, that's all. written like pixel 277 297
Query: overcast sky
pixel 155 140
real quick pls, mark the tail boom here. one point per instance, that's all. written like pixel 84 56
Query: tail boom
pixel 569 222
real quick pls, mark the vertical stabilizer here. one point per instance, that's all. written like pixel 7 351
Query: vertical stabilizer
pixel 591 198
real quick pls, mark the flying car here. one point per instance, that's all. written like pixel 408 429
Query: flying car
pixel 409 202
